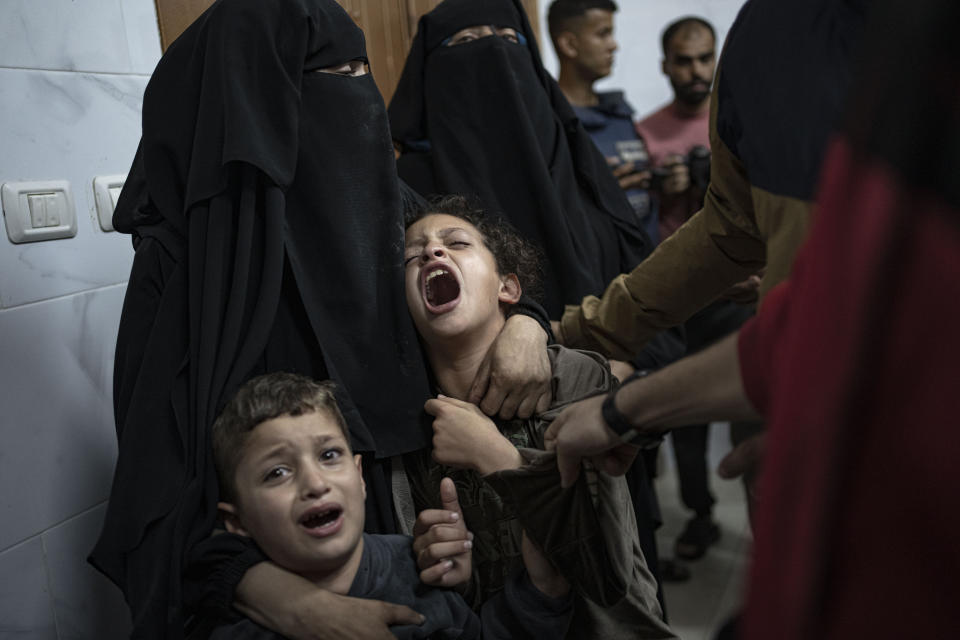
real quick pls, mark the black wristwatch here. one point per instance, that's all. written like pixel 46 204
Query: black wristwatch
pixel 616 420
pixel 619 424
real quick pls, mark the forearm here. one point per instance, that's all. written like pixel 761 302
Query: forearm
pixel 272 596
pixel 699 388
pixel 685 273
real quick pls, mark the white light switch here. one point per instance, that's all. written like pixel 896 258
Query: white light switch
pixel 38 209
pixel 35 211
pixel 106 192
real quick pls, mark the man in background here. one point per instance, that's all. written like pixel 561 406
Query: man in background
pixel 582 35
pixel 677 137
pixel 582 32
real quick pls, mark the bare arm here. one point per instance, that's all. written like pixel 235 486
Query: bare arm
pixel 702 387
pixel 295 608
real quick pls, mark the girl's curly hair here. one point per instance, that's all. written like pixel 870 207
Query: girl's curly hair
pixel 512 253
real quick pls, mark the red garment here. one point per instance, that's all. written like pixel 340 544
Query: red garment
pixel 854 361
pixel 667 133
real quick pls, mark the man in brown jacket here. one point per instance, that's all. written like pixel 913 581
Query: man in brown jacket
pixel 767 134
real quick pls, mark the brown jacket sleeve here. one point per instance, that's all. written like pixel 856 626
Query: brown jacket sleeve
pixel 718 247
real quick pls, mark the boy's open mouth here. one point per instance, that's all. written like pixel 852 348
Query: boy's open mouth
pixel 441 290
pixel 323 521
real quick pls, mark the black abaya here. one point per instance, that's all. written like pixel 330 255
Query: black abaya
pixel 484 118
pixel 266 214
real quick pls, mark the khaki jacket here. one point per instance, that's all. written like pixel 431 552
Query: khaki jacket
pixel 740 229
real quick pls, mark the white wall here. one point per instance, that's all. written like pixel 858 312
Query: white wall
pixel 72 75
pixel 638 25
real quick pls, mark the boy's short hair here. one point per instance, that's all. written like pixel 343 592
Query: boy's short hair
pixel 260 399
pixel 511 251
pixel 562 12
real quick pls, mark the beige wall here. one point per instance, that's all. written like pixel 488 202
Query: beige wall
pixel 389 26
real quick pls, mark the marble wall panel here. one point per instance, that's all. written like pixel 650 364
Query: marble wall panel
pixel 64 35
pixel 66 126
pixel 112 36
pixel 59 441
pixel 86 604
pixel 25 605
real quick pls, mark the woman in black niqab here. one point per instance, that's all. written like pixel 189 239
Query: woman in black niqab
pixel 485 118
pixel 266 216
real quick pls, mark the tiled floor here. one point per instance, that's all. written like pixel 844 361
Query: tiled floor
pixel 699 607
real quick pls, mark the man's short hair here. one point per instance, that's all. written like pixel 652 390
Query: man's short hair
pixel 511 251
pixel 260 399
pixel 562 12
pixel 687 21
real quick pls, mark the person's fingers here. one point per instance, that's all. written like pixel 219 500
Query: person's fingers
pixel 635 180
pixel 510 404
pixel 459 404
pixel 441 533
pixel 493 399
pixel 433 406
pixel 569 467
pixel 528 405
pixel 433 575
pixel 745 457
pixel 624 169
pixel 448 496
pixel 441 551
pixel 397 614
pixel 481 382
pixel 430 517
pixel 543 403
pixel 553 429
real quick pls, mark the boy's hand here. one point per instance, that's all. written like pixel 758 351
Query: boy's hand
pixel 514 377
pixel 465 438
pixel 441 542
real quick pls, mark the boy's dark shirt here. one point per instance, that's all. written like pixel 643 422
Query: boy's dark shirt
pixel 388 571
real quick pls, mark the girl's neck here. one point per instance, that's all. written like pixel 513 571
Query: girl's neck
pixel 455 361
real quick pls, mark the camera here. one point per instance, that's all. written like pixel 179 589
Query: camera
pixel 697 161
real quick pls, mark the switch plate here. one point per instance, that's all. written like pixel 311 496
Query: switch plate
pixel 35 211
pixel 106 192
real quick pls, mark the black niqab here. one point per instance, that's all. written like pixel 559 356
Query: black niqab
pixel 266 214
pixel 498 127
